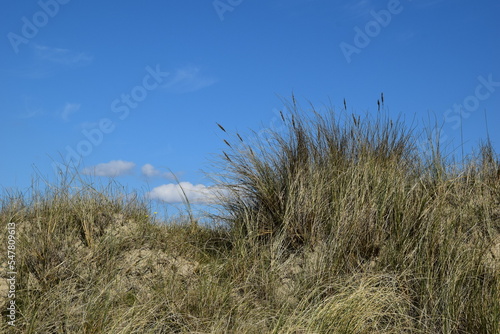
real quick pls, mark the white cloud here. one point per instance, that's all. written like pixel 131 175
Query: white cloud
pixel 149 170
pixel 69 108
pixel 112 169
pixel 62 56
pixel 188 79
pixel 172 193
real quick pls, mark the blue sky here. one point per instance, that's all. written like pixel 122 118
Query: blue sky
pixel 134 89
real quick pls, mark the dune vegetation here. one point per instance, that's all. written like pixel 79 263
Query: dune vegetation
pixel 336 223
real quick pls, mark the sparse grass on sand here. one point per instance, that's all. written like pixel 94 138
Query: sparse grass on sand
pixel 337 224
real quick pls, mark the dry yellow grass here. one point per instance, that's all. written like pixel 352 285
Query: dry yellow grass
pixel 330 227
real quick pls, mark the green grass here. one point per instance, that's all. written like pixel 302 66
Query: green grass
pixel 337 224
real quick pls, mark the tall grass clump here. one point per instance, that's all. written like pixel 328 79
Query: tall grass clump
pixel 354 197
pixel 333 223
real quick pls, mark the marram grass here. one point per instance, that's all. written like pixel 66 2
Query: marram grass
pixel 335 224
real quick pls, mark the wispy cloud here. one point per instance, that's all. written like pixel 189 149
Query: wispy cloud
pixel 428 3
pixel 188 79
pixel 30 114
pixel 30 72
pixel 358 9
pixel 173 193
pixel 111 169
pixel 360 5
pixel 62 56
pixel 405 36
pixel 69 108
pixel 89 125
pixel 149 170
pixel 32 108
pixel 284 4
